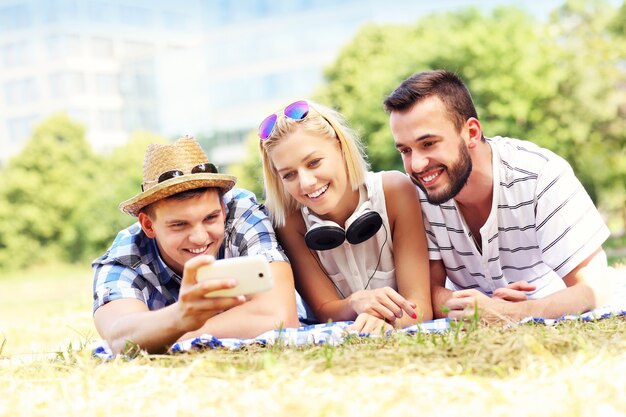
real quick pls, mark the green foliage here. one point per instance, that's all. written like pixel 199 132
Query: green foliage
pixel 249 171
pixel 366 70
pixel 60 199
pixel 559 84
pixel 618 24
pixel 43 188
pixel 119 179
pixel 588 112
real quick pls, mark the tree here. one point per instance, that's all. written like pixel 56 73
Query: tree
pixel 249 171
pixel 559 84
pixel 496 55
pixel 60 200
pixel 99 219
pixel 41 190
pixel 366 71
pixel 594 44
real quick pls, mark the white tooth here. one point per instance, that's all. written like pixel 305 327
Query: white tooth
pixel 318 192
pixel 196 251
pixel 430 177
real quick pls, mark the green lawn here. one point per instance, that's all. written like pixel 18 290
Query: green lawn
pixel 45 309
pixel 574 369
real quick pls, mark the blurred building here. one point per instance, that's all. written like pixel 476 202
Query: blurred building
pixel 93 60
pixel 201 67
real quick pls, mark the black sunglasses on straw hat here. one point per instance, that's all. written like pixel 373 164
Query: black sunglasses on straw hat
pixel 173 168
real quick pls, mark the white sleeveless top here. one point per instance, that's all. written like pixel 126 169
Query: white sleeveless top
pixel 351 266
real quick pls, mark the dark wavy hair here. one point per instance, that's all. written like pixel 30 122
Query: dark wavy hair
pixel 444 84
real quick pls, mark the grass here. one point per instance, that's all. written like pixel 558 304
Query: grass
pixel 45 309
pixel 615 247
pixel 572 369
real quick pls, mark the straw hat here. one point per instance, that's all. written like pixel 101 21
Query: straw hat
pixel 182 155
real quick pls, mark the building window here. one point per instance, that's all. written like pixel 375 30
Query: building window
pixel 148 119
pixel 63 46
pixel 176 21
pixel 107 84
pixel 20 91
pixel 20 128
pixel 102 48
pixel 271 85
pixel 14 17
pixel 66 84
pixel 110 120
pixel 98 11
pixel 138 81
pixel 140 118
pixel 79 115
pixel 59 10
pixel 136 16
pixel 16 53
pixel 132 49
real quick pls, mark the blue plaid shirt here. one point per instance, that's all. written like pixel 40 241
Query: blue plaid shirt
pixel 133 268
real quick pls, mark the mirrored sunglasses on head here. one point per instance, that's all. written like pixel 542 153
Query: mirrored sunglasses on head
pixel 296 111
pixel 204 168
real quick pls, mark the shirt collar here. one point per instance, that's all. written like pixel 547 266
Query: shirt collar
pixel 165 272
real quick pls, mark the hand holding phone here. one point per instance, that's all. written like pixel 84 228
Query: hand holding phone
pixel 251 272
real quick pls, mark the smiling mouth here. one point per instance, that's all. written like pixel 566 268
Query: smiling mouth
pixel 198 251
pixel 433 174
pixel 319 192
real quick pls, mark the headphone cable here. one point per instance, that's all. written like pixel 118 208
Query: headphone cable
pixel 380 254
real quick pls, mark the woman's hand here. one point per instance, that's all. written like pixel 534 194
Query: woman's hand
pixel 383 303
pixel 366 324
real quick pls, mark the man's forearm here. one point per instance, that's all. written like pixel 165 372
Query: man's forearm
pixel 153 331
pixel 576 299
pixel 439 297
pixel 587 288
pixel 248 320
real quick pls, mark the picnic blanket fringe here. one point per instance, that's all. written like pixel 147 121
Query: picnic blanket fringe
pixel 335 333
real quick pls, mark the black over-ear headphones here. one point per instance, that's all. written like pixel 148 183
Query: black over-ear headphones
pixel 326 234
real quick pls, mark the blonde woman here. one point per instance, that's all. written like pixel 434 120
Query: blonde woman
pixel 355 238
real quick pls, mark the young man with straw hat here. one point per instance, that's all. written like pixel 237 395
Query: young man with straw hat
pixel 145 287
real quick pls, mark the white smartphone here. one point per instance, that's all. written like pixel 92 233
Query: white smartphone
pixel 251 272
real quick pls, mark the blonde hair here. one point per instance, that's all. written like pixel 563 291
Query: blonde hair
pixel 325 123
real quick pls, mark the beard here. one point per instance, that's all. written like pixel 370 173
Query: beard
pixel 458 174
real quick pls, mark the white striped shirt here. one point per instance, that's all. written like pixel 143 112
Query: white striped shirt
pixel 542 224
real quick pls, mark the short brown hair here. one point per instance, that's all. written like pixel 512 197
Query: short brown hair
pixel 443 84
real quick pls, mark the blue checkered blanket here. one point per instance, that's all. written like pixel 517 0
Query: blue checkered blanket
pixel 335 333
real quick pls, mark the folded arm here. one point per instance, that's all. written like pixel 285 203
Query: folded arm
pixel 318 289
pixel 438 292
pixel 585 291
pixel 410 250
pixel 312 282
